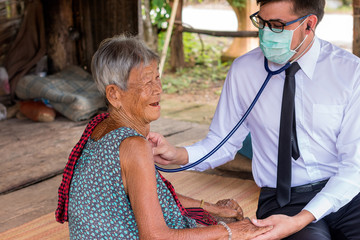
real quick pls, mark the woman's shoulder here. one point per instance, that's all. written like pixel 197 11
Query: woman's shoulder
pixel 121 134
pixel 135 151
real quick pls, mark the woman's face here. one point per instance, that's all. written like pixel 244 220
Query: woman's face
pixel 142 98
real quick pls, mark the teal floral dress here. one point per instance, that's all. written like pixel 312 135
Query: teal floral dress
pixel 98 205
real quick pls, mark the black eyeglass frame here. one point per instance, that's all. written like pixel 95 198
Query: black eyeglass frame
pixel 277 30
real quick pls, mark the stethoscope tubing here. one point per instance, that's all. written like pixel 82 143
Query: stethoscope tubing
pixel 236 127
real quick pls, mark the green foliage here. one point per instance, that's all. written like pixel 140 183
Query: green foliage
pixel 203 60
pixel 343 9
pixel 237 3
pixel 204 67
pixel 346 2
pixel 160 13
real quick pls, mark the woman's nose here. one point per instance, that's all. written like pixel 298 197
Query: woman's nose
pixel 158 88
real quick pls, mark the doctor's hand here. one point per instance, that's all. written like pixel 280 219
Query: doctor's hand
pixel 283 226
pixel 165 153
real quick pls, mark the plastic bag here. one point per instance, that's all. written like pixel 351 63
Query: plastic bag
pixel 3 112
pixel 4 81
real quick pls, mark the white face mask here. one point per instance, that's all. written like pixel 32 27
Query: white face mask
pixel 277 46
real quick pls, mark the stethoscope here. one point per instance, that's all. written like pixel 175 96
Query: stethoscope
pixel 269 75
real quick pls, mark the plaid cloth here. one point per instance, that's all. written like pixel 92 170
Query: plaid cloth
pixel 200 215
pixel 63 201
pixel 72 92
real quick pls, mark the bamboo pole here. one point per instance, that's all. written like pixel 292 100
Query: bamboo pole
pixel 356 33
pixel 168 35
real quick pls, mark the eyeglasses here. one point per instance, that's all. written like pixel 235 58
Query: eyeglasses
pixel 276 26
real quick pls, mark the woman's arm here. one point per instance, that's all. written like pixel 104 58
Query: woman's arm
pixel 226 208
pixel 137 166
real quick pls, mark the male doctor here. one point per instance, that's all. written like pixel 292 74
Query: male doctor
pixel 305 127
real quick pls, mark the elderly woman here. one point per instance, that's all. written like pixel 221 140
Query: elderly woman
pixel 110 188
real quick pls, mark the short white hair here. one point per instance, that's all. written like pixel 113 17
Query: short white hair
pixel 114 59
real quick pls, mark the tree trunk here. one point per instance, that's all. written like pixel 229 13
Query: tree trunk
pixel 176 45
pixel 150 33
pixel 356 34
pixel 240 46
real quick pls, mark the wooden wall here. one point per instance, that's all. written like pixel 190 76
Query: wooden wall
pixel 74 28
pixel 61 48
pixel 11 13
pixel 98 19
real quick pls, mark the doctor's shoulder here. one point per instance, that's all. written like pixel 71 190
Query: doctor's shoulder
pixel 337 53
pixel 251 58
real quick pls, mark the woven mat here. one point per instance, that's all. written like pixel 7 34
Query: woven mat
pixel 211 188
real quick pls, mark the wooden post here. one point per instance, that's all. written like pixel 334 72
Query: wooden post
pixel 168 35
pixel 148 31
pixel 177 59
pixel 356 33
pixel 60 47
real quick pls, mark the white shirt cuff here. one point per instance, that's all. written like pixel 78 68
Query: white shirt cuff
pixel 194 155
pixel 319 206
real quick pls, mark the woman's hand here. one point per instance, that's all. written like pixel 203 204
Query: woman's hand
pixel 245 230
pixel 227 210
pixel 165 153
pixel 230 208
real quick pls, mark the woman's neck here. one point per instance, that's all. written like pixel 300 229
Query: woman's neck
pixel 119 118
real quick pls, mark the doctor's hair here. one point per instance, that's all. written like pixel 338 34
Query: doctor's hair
pixel 116 57
pixel 302 7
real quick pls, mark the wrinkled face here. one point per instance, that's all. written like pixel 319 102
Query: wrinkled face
pixel 142 98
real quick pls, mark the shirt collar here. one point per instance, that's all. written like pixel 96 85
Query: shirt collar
pixel 309 60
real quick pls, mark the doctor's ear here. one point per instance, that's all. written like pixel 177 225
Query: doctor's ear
pixel 311 23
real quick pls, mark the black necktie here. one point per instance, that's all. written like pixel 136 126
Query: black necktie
pixel 287 137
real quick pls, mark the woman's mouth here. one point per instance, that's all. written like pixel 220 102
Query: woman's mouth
pixel 155 104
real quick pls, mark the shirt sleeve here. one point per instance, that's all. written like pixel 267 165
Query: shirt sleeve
pixel 345 184
pixel 227 115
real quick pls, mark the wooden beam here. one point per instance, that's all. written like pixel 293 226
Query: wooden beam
pixel 356 34
pixel 222 33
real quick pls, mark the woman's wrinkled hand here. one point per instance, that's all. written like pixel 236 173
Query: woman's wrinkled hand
pixel 227 210
pixel 231 208
pixel 245 230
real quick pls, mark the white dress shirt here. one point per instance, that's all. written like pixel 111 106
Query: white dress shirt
pixel 327 105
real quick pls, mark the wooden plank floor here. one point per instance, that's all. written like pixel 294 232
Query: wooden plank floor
pixel 33 155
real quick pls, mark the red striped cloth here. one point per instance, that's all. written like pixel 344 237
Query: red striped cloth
pixel 61 213
pixel 200 215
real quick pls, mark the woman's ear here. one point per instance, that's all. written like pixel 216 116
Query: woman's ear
pixel 113 95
